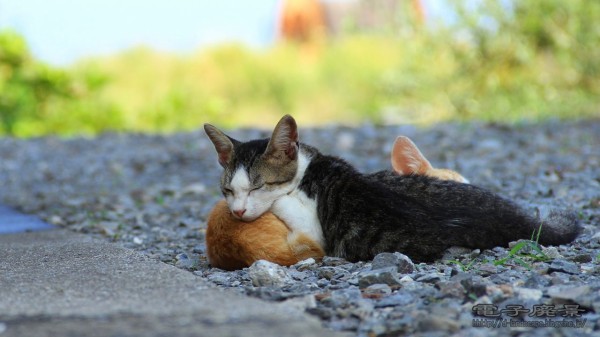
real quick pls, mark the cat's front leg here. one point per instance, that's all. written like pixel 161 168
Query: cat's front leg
pixel 300 215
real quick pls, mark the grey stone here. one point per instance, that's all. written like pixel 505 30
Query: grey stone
pixel 430 278
pixel 552 252
pixel 388 275
pixel 452 289
pixel 581 258
pixel 433 323
pixel 402 262
pixel 564 266
pixel 345 297
pixel 378 289
pixel 563 294
pixel 536 281
pixel 345 324
pixel 487 269
pixel 333 261
pixel 526 248
pixel 527 294
pixel 265 273
pixel 399 298
pixel 331 272
pixel 308 264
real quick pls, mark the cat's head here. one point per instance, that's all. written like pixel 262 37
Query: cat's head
pixel 257 172
pixel 407 159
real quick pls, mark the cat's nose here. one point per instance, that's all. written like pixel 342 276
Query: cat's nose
pixel 239 212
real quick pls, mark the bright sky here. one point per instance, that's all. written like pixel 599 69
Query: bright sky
pixel 62 31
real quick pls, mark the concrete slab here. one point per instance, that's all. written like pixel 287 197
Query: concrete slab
pixel 58 283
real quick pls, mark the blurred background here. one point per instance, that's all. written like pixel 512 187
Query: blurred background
pixel 84 67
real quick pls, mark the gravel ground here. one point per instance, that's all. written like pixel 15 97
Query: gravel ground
pixel 152 193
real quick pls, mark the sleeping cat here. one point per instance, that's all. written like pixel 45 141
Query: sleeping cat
pixel 235 244
pixel 356 217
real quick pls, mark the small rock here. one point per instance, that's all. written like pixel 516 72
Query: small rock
pixel 330 272
pixel 487 269
pixel 402 262
pixel 108 228
pixel 56 220
pixel 378 289
pixel 302 302
pixel 199 248
pixel 387 276
pixel 581 258
pixel 497 293
pixel 344 297
pixel 322 312
pixel 264 273
pixel 196 188
pixel 399 298
pixel 298 275
pixel 137 240
pixel 345 324
pixel 564 266
pixel 552 252
pixel 221 278
pixel 451 289
pixel 308 264
pixel 333 261
pixel 528 294
pixel 435 323
pixel 526 247
pixel 455 252
pixel 536 281
pixel 430 278
pixel 562 294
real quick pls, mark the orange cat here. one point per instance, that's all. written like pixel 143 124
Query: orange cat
pixel 407 159
pixel 234 244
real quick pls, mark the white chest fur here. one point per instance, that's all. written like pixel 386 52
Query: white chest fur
pixel 299 211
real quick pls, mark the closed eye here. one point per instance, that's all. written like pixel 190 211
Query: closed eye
pixel 271 183
pixel 227 191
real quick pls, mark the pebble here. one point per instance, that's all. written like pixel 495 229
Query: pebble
pixel 528 294
pixel 387 275
pixel 378 289
pixel 402 262
pixel 264 273
pixel 399 298
pixel 564 266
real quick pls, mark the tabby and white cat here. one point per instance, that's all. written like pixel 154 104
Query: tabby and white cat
pixel 356 216
pixel 234 244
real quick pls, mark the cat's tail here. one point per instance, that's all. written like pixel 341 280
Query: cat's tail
pixel 559 227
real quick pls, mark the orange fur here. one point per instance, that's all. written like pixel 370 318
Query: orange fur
pixel 407 159
pixel 234 244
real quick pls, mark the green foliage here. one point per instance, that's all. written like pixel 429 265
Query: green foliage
pixel 521 251
pixel 498 61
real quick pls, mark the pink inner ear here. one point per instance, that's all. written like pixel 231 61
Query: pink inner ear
pixel 407 159
pixel 223 158
pixel 292 150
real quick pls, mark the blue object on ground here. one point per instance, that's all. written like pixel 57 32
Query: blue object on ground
pixel 12 221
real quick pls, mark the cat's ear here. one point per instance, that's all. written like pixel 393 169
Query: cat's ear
pixel 407 159
pixel 223 143
pixel 283 144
